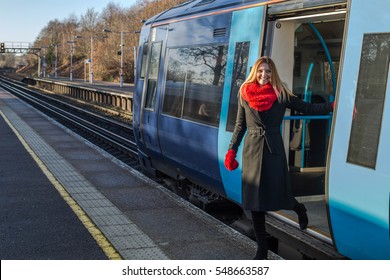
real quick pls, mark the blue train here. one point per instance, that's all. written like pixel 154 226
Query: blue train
pixel 191 62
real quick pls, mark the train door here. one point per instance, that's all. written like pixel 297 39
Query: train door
pixel 305 42
pixel 358 180
pixel 149 120
pixel 244 49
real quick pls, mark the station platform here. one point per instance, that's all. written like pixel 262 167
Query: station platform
pixel 64 198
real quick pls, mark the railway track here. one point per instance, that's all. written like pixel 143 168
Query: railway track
pixel 111 135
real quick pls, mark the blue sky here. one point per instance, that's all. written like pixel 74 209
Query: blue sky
pixel 22 20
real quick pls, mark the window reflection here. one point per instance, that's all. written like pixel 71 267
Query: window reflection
pixel 144 59
pixel 153 75
pixel 240 66
pixel 194 84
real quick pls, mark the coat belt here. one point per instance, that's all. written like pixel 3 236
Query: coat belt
pixel 261 131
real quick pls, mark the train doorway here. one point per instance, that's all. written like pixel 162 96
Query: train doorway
pixel 306 47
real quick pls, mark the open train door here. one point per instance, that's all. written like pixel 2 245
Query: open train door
pixel 358 184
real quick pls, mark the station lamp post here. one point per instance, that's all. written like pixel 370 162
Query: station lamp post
pixel 121 73
pixel 91 62
pixel 71 59
pixel 44 60
pixel 55 62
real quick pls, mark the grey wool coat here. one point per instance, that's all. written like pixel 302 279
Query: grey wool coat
pixel 265 177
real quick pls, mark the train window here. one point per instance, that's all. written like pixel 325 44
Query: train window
pixel 153 75
pixel 240 66
pixel 143 64
pixel 194 85
pixel 369 101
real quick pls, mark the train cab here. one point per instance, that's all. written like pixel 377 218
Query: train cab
pixel 192 61
pixel 358 182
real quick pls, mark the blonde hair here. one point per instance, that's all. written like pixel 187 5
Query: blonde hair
pixel 281 90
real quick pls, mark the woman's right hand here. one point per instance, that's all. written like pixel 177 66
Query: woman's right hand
pixel 230 160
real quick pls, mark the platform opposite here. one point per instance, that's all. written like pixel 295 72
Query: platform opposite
pixel 97 85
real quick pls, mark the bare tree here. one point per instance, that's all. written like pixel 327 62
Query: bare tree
pixel 106 58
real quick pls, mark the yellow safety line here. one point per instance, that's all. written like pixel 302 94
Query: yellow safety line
pixel 101 240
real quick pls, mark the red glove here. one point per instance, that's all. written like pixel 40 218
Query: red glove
pixel 230 160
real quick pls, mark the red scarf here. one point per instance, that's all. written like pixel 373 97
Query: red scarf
pixel 259 97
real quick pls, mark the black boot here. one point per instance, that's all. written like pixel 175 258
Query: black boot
pixel 258 219
pixel 303 220
pixel 262 250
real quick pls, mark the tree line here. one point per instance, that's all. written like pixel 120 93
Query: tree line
pixel 58 38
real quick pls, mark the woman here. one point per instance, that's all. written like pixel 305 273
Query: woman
pixel 263 100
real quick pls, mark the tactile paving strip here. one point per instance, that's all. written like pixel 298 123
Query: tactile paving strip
pixel 125 236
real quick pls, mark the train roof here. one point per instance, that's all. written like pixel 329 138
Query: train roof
pixel 199 6
pixel 194 7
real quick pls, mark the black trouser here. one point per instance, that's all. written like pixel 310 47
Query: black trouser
pixel 258 219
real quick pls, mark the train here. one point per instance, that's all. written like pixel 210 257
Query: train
pixel 192 60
